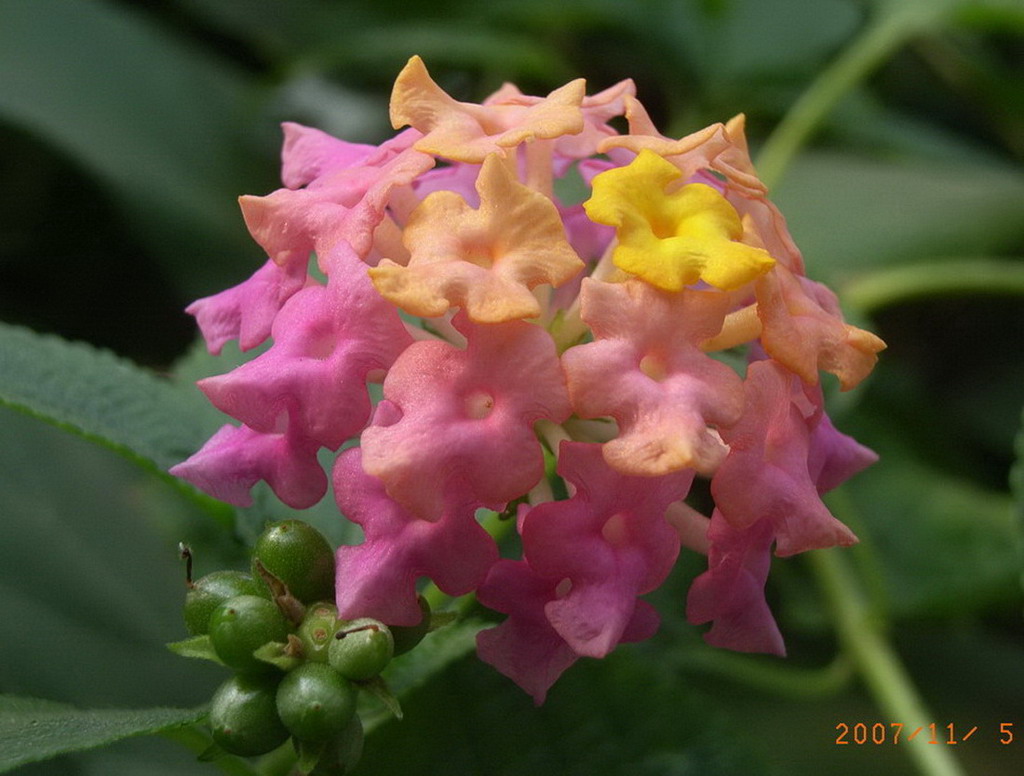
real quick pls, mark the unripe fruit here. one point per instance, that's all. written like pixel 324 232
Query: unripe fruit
pixel 209 592
pixel 315 702
pixel 243 624
pixel 317 631
pixel 361 649
pixel 408 636
pixel 243 716
pixel 297 554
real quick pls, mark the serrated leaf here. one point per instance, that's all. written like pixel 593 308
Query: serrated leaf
pixel 199 647
pixel 32 729
pixel 101 397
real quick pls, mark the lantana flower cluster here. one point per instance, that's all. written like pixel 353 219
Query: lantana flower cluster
pixel 508 327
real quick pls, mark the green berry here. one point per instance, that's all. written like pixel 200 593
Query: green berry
pixel 209 592
pixel 361 649
pixel 317 631
pixel 408 636
pixel 297 554
pixel 315 702
pixel 243 624
pixel 243 716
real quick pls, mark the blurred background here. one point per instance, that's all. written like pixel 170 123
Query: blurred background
pixel 129 128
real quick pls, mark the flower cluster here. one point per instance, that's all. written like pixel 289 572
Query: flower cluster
pixel 509 325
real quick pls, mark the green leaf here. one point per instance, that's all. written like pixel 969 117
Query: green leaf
pixel 92 586
pixel 103 398
pixel 379 689
pixel 851 214
pixel 1017 486
pixel 438 650
pixel 32 729
pixel 628 713
pixel 199 647
pixel 946 546
pixel 162 123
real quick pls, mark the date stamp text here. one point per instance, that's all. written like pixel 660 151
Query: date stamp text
pixel 895 733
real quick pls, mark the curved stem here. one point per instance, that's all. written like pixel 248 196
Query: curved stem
pixel 800 683
pixel 884 35
pixel 877 662
pixel 883 288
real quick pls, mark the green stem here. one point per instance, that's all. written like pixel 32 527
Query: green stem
pixel 799 683
pixel 884 288
pixel 883 36
pixel 878 664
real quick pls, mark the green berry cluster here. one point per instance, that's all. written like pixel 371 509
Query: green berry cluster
pixel 297 667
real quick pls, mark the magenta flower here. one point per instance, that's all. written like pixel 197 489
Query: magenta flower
pixel 767 472
pixel 528 347
pixel 378 577
pixel 327 341
pixel 525 647
pixel 236 458
pixel 605 546
pixel 731 592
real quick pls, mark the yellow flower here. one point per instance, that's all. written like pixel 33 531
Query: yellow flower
pixel 673 237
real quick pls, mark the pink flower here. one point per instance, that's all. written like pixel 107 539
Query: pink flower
pixel 378 577
pixel 605 546
pixel 646 370
pixel 327 341
pixel 525 647
pixel 462 420
pixel 731 591
pixel 767 472
pixel 246 312
pixel 236 458
pixel 528 346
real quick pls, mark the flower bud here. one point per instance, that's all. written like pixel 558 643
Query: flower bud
pixel 317 631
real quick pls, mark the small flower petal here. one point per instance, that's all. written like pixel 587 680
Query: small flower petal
pixel 646 370
pixel 673 238
pixel 607 545
pixel 467 132
pixel 378 577
pixel 803 329
pixel 463 419
pixel 485 260
pixel 731 591
pixel 766 474
pixel 236 458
